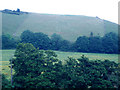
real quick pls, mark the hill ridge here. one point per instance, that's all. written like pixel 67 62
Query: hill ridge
pixel 68 26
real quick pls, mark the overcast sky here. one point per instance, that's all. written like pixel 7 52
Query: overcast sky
pixel 104 9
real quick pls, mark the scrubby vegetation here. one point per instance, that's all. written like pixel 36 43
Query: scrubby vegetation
pixel 36 68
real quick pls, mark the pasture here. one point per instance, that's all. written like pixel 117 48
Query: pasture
pixel 7 54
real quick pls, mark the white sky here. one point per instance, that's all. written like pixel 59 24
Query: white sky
pixel 104 9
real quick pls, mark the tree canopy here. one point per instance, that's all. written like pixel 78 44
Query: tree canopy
pixel 39 40
pixel 8 42
pixel 96 44
pixel 41 69
pixel 34 68
pixel 93 44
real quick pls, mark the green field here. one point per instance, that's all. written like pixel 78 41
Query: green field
pixel 91 56
pixel 7 54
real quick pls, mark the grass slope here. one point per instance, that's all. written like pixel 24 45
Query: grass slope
pixel 68 26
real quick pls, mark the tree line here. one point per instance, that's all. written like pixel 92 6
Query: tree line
pixel 93 44
pixel 15 12
pixel 36 68
pixel 8 42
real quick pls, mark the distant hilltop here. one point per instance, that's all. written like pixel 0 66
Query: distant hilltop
pixel 67 26
pixel 16 12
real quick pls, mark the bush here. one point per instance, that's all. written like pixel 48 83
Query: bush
pixel 34 68
pixel 41 69
pixel 5 82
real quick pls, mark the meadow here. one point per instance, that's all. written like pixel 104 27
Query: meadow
pixel 7 54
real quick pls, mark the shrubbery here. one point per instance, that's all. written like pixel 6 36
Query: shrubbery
pixel 34 68
pixel 5 83
pixel 41 69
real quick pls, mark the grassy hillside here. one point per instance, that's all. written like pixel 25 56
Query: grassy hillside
pixel 68 26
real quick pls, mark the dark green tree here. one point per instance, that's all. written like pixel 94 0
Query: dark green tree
pixel 5 82
pixel 42 41
pixel 27 37
pixel 83 73
pixel 39 40
pixel 81 44
pixel 110 43
pixel 34 68
pixel 65 45
pixel 8 42
pixel 41 69
pixel 56 41
pixel 95 44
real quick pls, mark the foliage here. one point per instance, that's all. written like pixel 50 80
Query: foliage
pixel 110 43
pixel 8 42
pixel 39 40
pixel 96 44
pixel 81 44
pixel 93 44
pixel 119 75
pixel 5 83
pixel 34 68
pixel 83 73
pixel 42 41
pixel 58 43
pixel 41 69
